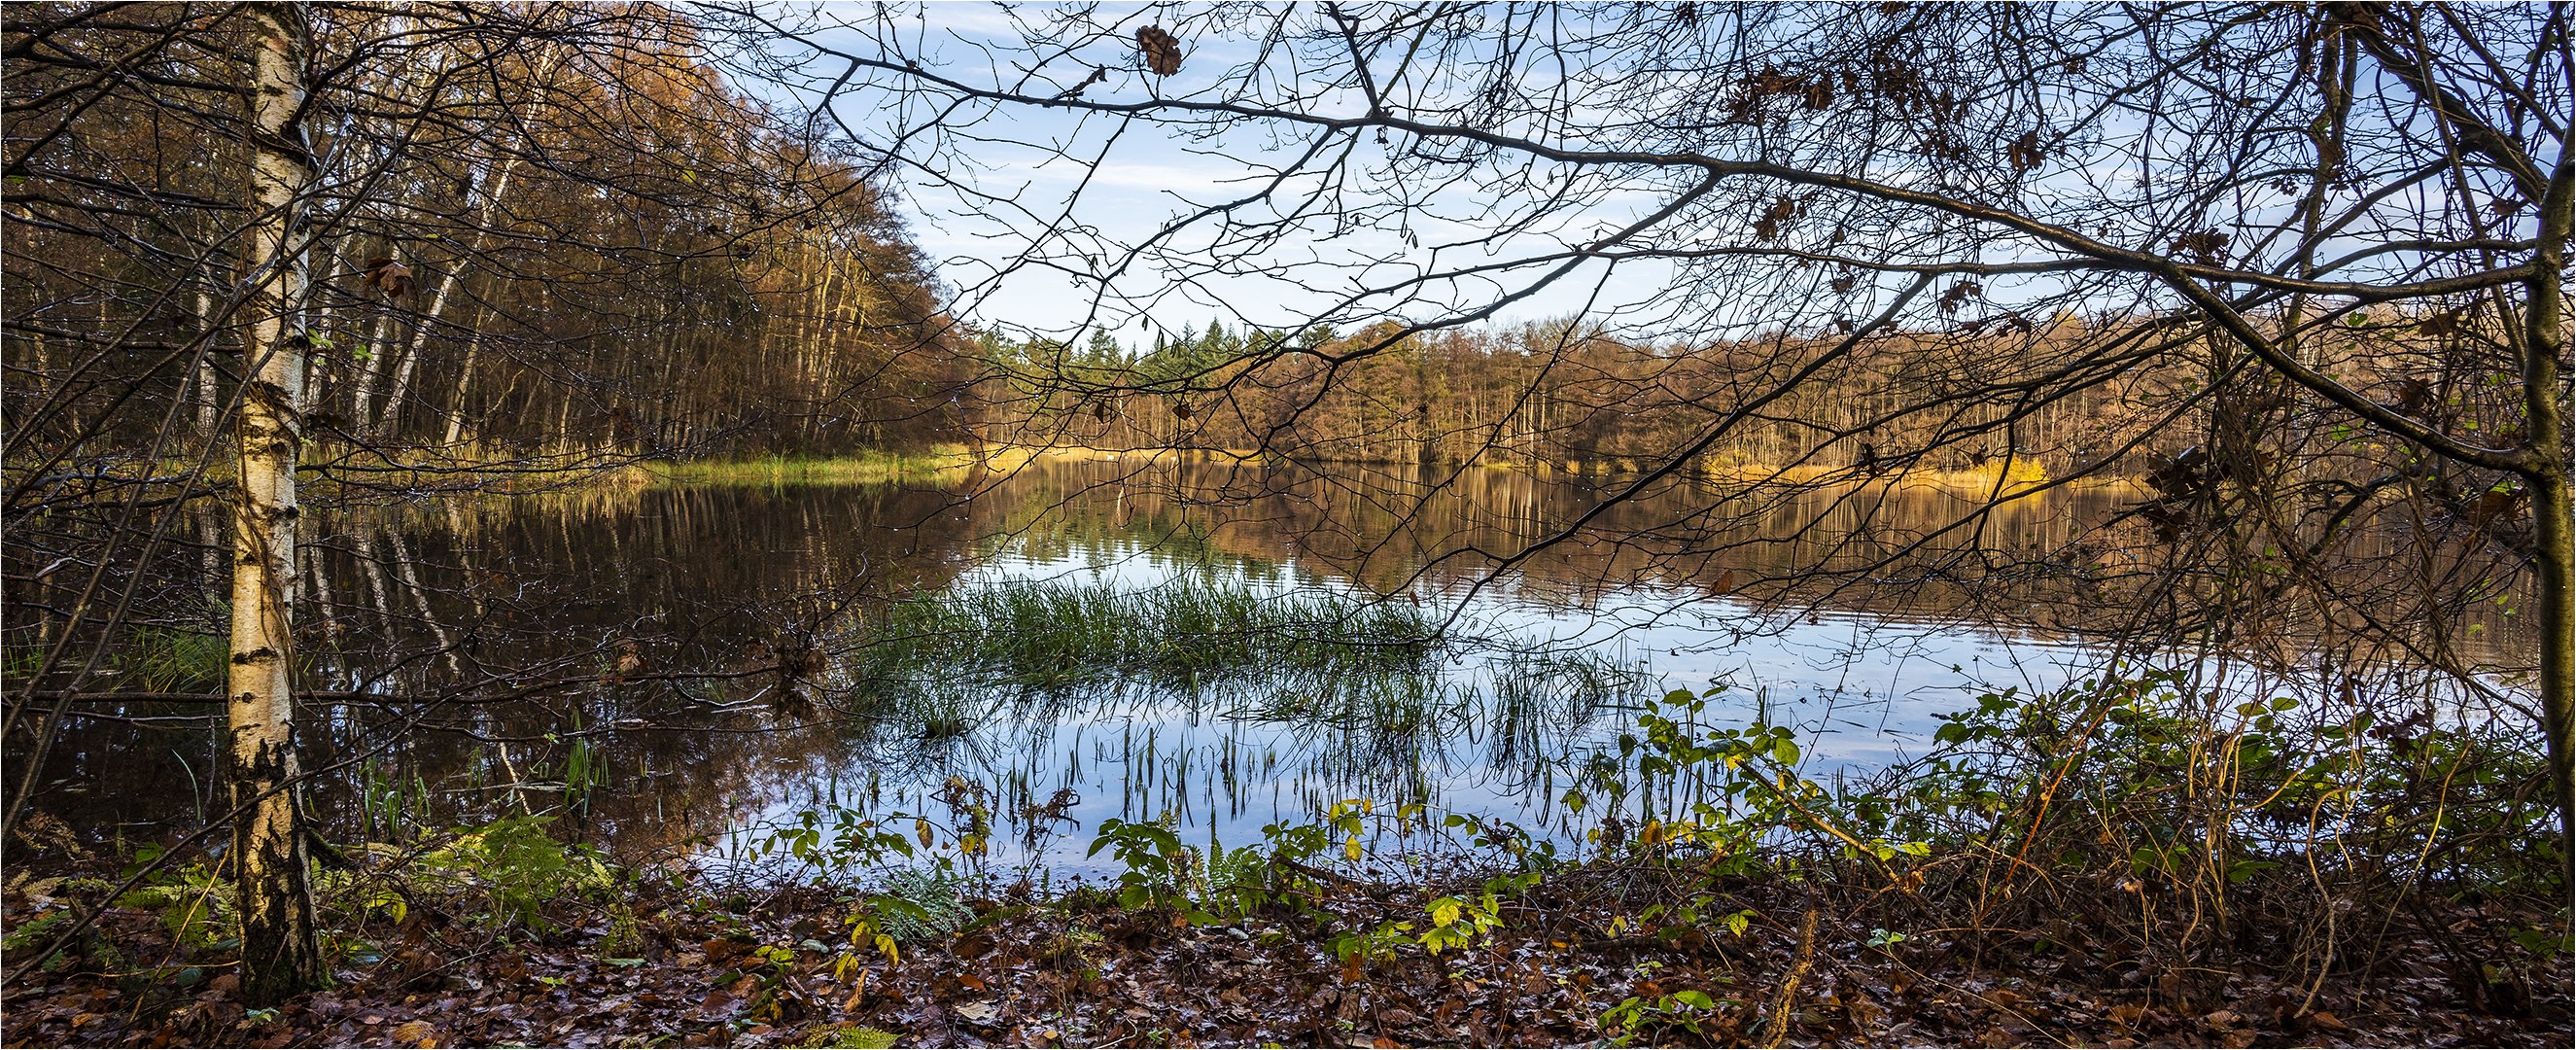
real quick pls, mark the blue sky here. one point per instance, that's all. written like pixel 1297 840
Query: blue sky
pixel 1021 207
pixel 1088 188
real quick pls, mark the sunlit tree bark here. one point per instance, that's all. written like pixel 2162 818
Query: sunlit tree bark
pixel 280 953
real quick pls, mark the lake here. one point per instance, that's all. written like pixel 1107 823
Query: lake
pixel 1142 640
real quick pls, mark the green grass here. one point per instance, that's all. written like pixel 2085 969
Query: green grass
pixel 1374 673
pixel 168 660
pixel 939 462
pixel 941 715
pixel 149 659
pixel 1185 632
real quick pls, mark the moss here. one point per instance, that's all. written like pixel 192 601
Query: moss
pixel 849 1037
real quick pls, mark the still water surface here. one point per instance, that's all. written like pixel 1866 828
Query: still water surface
pixel 669 602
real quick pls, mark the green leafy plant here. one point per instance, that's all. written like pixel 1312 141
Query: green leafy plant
pixel 1639 1017
pixel 1158 868
pixel 839 838
pixel 194 904
pixel 919 906
pixel 513 868
pixel 849 1037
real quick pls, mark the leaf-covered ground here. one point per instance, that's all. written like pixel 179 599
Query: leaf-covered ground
pixel 704 969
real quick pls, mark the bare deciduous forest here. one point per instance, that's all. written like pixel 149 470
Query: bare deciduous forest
pixel 1242 524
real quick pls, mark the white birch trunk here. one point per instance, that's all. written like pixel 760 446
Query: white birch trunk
pixel 280 955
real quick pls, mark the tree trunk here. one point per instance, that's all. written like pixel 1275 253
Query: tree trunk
pixel 279 955
pixel 2544 343
pixel 465 382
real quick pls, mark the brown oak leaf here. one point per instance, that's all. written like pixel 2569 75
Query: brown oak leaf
pixel 1162 50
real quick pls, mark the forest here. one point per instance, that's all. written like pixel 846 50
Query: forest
pixel 1230 524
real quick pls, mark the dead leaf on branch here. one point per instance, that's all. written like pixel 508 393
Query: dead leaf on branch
pixel 1162 50
pixel 2206 247
pixel 388 276
pixel 1767 227
pixel 2026 152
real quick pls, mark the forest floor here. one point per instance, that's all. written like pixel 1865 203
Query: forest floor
pixel 677 966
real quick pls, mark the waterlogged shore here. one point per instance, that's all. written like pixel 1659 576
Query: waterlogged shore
pixel 2007 891
pixel 362 473
pixel 2130 861
pixel 958 462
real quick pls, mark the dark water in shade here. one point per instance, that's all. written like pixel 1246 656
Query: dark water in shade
pixel 654 612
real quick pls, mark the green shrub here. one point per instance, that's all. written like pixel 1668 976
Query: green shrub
pixel 513 868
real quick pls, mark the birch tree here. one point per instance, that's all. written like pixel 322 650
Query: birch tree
pixel 191 277
pixel 280 952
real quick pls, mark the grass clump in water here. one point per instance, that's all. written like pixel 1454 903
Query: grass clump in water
pixel 164 659
pixel 1053 634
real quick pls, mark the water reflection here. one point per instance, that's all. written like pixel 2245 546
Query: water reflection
pixel 634 637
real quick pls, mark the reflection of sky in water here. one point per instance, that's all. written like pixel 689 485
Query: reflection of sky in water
pixel 1858 688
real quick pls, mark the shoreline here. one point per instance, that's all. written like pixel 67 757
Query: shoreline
pixel 1957 905
pixel 467 470
pixel 870 467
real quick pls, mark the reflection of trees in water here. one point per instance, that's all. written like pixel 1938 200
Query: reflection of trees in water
pixel 437 624
pixel 2069 560
pixel 659 616
pixel 1239 748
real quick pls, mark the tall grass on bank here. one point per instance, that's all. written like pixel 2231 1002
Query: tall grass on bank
pixel 866 467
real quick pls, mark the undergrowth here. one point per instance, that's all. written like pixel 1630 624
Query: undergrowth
pixel 2138 839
